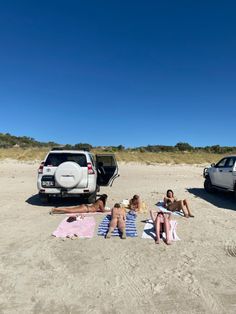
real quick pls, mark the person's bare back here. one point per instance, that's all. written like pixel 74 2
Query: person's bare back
pixel 117 220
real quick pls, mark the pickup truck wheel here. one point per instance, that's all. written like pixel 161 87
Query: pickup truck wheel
pixel 208 186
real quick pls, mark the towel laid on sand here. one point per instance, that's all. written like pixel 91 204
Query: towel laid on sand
pixel 160 205
pixel 82 228
pixel 149 232
pixel 131 230
pixel 143 208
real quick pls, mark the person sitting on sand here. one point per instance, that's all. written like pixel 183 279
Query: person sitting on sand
pixel 135 203
pixel 117 220
pixel 171 203
pixel 161 223
pixel 98 206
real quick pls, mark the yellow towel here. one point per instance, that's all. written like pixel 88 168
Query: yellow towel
pixel 143 209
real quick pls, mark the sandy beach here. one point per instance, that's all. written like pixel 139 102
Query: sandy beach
pixel 43 274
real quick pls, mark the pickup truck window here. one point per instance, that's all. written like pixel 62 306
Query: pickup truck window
pixel 230 162
pixel 221 163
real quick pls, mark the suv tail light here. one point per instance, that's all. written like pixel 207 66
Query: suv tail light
pixel 90 168
pixel 40 170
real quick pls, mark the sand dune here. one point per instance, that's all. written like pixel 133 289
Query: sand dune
pixel 43 274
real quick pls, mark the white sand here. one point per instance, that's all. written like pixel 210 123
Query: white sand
pixel 43 274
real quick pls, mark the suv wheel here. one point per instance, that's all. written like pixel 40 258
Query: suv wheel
pixel 208 186
pixel 44 198
pixel 68 174
pixel 92 198
pixel 235 192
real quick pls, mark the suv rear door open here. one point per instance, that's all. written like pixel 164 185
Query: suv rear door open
pixel 107 169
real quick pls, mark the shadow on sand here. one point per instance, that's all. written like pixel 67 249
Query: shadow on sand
pixel 219 199
pixel 54 201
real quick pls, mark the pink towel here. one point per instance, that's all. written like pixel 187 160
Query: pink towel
pixel 83 228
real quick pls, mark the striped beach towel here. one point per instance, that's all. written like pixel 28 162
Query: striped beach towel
pixel 131 230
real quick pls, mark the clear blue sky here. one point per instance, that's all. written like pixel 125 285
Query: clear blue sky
pixel 119 72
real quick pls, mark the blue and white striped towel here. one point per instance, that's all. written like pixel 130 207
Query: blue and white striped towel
pixel 131 230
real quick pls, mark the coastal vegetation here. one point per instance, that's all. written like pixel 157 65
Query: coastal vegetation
pixel 27 148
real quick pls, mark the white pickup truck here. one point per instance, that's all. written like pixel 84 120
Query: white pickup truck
pixel 221 176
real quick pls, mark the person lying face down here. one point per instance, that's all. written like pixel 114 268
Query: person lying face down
pixel 98 206
pixel 117 220
pixel 171 203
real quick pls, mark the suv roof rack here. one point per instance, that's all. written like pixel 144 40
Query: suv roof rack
pixel 72 148
pixel 58 148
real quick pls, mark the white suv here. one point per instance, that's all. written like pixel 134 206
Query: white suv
pixel 75 173
pixel 221 175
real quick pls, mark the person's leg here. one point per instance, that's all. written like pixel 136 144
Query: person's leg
pixel 112 226
pixel 181 206
pixel 185 202
pixel 157 225
pixel 69 210
pixel 167 229
pixel 153 215
pixel 174 206
pixel 108 235
pixel 62 210
pixel 121 227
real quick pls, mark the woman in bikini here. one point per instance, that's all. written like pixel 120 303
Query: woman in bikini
pixel 171 203
pixel 135 203
pixel 117 220
pixel 161 223
pixel 98 206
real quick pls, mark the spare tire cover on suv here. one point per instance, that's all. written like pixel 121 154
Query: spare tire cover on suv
pixel 68 174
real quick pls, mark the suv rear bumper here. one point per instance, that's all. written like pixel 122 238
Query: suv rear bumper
pixel 60 191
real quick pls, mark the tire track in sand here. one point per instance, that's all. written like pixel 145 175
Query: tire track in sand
pixel 122 269
pixel 183 273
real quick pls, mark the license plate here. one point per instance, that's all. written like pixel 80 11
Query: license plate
pixel 48 183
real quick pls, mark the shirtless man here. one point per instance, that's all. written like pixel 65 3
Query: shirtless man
pixel 98 206
pixel 117 220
